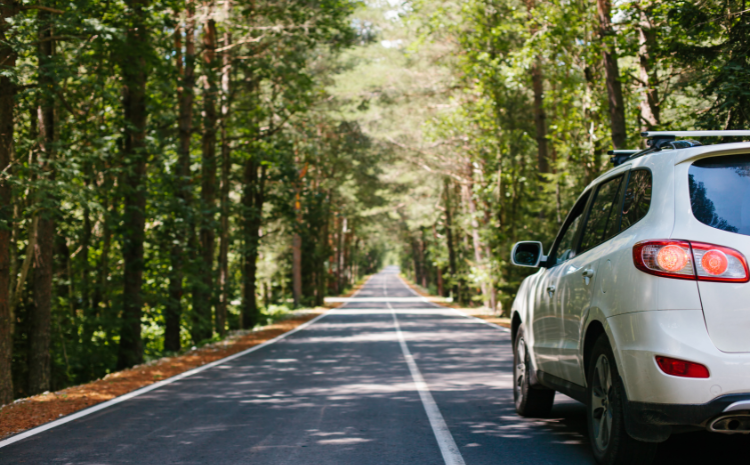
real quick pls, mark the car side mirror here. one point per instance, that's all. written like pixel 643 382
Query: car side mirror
pixel 528 253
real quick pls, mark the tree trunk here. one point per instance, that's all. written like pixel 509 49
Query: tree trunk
pixel 202 294
pixel 297 269
pixel 297 244
pixel 226 166
pixel 478 247
pixel 415 259
pixel 134 77
pixel 182 230
pixel 252 202
pixel 323 251
pixel 650 98
pixel 438 269
pixel 86 235
pixel 449 239
pixel 612 70
pixel 591 168
pixel 102 274
pixel 422 261
pixel 44 247
pixel 8 9
pixel 540 116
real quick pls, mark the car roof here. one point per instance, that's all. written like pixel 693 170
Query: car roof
pixel 678 156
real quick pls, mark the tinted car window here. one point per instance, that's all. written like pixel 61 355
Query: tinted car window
pixel 602 222
pixel 565 247
pixel 637 198
pixel 720 192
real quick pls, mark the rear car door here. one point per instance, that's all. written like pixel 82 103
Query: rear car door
pixel 577 278
pixel 547 320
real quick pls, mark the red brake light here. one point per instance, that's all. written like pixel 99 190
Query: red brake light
pixel 682 368
pixel 691 260
pixel 672 258
pixel 714 262
pixel 717 263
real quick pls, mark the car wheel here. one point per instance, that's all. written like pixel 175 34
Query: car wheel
pixel 531 401
pixel 610 442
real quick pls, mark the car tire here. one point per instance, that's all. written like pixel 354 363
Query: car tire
pixel 531 401
pixel 610 442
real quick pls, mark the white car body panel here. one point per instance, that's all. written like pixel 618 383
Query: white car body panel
pixel 645 315
pixel 641 336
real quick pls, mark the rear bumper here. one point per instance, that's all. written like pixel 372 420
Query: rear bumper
pixel 655 422
pixel 639 337
pixel 659 404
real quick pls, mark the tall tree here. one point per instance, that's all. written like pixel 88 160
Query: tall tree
pixel 8 12
pixel 449 239
pixel 537 86
pixel 183 226
pixel 202 292
pixel 608 38
pixel 253 199
pixel 226 167
pixel 44 246
pixel 134 56
pixel 650 114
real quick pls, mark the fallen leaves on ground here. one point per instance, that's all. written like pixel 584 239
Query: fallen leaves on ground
pixel 37 410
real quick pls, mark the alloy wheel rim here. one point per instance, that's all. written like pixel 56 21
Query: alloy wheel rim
pixel 601 395
pixel 520 367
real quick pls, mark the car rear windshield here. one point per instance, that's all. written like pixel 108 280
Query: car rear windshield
pixel 720 192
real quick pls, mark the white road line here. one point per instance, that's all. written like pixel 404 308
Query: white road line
pixel 451 454
pixel 151 387
pixel 136 393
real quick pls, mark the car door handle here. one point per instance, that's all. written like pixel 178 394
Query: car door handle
pixel 587 275
pixel 551 290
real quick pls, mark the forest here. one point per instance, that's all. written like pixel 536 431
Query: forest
pixel 172 170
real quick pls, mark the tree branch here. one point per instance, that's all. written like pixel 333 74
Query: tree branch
pixel 42 8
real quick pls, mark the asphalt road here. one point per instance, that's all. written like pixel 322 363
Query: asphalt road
pixel 373 382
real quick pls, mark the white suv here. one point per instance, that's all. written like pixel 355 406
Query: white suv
pixel 641 309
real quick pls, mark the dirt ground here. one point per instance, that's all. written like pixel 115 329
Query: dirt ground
pixel 37 410
pixel 34 411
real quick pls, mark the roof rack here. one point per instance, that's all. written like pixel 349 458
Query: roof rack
pixel 620 156
pixel 662 139
pixel 653 134
pixel 658 140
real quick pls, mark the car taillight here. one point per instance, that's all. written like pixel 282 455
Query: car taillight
pixel 683 368
pixel 690 260
pixel 718 263
pixel 671 259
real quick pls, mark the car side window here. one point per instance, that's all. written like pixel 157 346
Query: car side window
pixel 603 219
pixel 565 246
pixel 637 198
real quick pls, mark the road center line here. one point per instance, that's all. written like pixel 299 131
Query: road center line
pixel 451 454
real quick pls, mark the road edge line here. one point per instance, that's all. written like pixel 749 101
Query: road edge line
pixel 93 409
pixel 152 387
